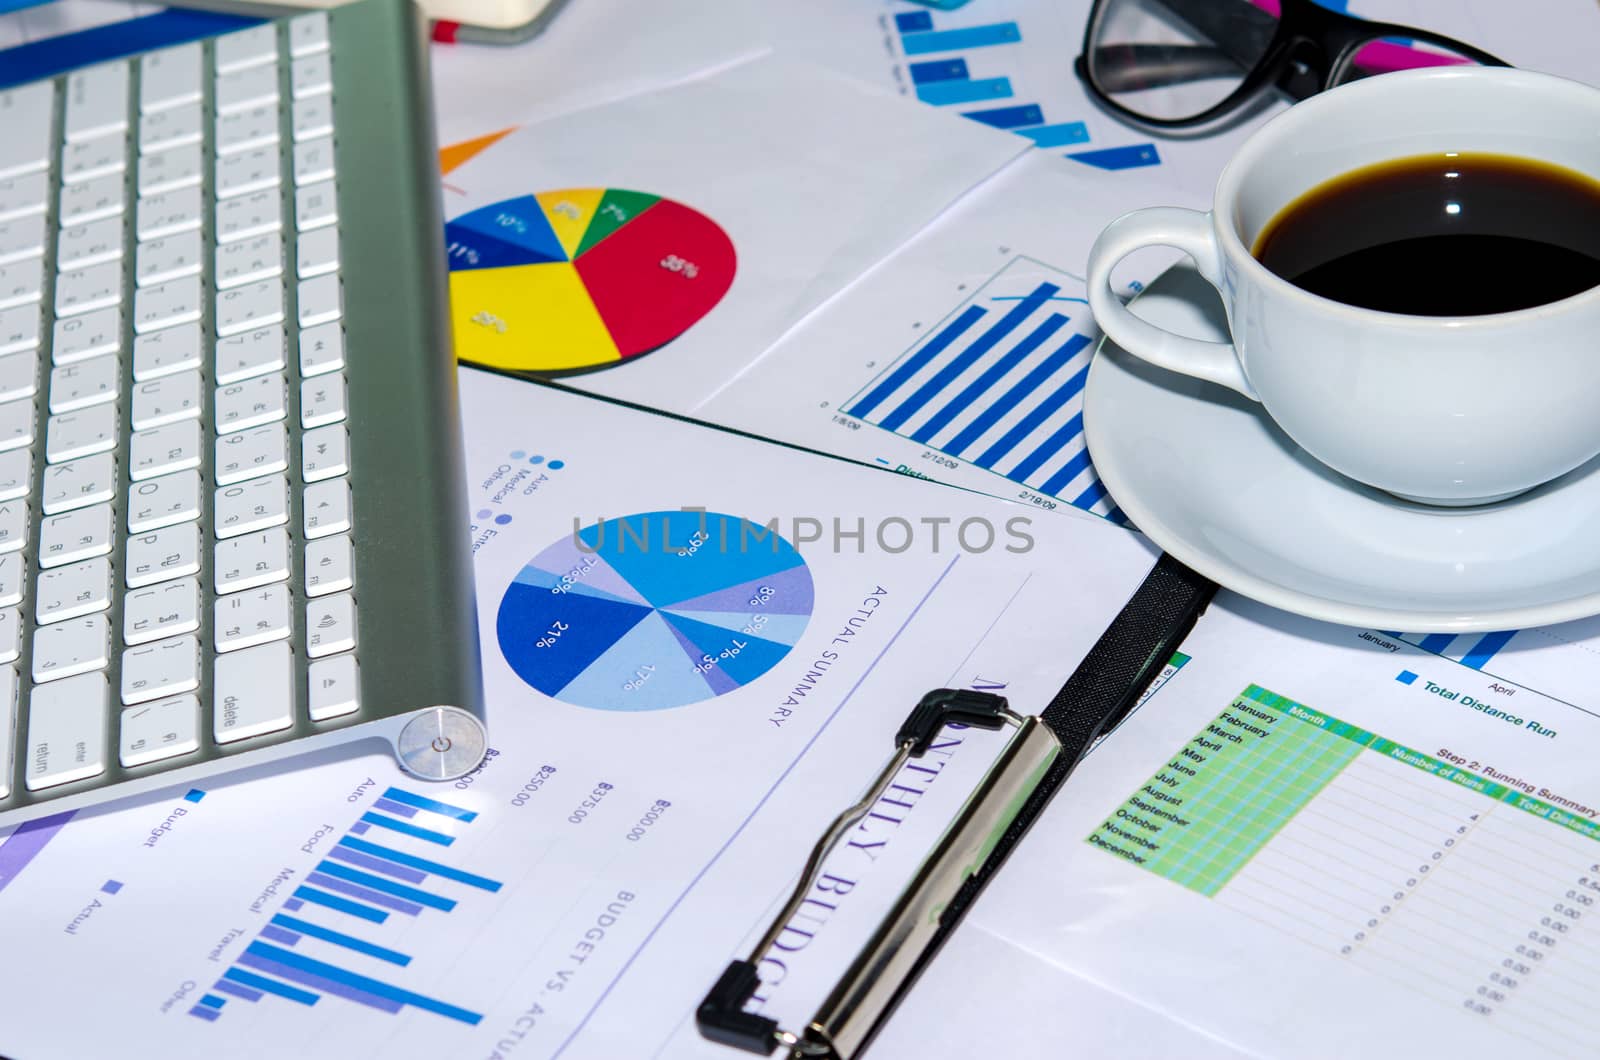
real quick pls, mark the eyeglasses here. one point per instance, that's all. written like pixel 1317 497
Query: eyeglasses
pixel 1173 64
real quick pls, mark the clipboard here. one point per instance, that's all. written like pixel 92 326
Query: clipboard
pixel 1040 755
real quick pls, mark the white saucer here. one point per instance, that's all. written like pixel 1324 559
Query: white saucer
pixel 1213 481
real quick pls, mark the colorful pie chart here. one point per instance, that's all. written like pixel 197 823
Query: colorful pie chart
pixel 581 279
pixel 654 611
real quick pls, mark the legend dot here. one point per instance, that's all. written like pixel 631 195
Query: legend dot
pixel 517 454
pixel 484 513
pixel 502 519
pixel 536 459
pixel 556 465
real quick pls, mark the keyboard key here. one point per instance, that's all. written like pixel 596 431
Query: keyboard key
pixel 166 400
pixel 250 87
pixel 246 130
pixel 81 433
pixel 248 507
pixel 10 635
pixel 319 300
pixel 178 127
pixel 317 253
pixel 84 383
pixel 308 34
pixel 240 563
pixel 87 289
pixel 313 160
pixel 8 725
pixel 327 508
pixel 246 454
pixel 324 453
pixel 330 565
pixel 13 574
pixel 252 353
pixel 92 158
pixel 16 476
pixel 249 261
pixel 169 212
pixel 244 620
pixel 87 335
pixel 165 352
pixel 322 400
pixel 16 424
pixel 22 238
pixel 247 171
pixel 19 329
pixel 171 552
pixel 311 75
pixel 163 450
pixel 248 216
pixel 93 199
pixel 165 668
pixel 26 114
pixel 24 196
pixel 169 77
pixel 315 205
pixel 166 305
pixel 79 483
pixel 19 375
pixel 334 685
pixel 251 403
pixel 321 349
pixel 97 101
pixel 74 536
pixel 163 610
pixel 155 732
pixel 312 117
pixel 253 692
pixel 247 47
pixel 246 308
pixel 73 591
pixel 67 649
pixel 67 731
pixel 21 282
pixel 89 244
pixel 163 171
pixel 13 525
pixel 330 625
pixel 163 501
pixel 163 260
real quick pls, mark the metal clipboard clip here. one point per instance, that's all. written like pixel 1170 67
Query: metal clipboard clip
pixel 863 996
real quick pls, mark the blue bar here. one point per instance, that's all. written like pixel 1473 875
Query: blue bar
pixel 913 21
pixel 55 55
pixel 963 360
pixel 208 1014
pixel 992 375
pixel 949 40
pixel 1043 411
pixel 1436 642
pixel 1048 448
pixel 213 1001
pixel 236 990
pixel 443 809
pixel 339 938
pixel 316 897
pixel 364 894
pixel 1073 468
pixel 1073 132
pixel 1116 515
pixel 945 93
pixel 388 868
pixel 379 883
pixel 8 6
pixel 914 364
pixel 938 70
pixel 1089 497
pixel 1484 650
pixel 1013 397
pixel 1130 157
pixel 414 862
pixel 1009 117
pixel 290 959
pixel 288 938
pixel 270 986
pixel 403 828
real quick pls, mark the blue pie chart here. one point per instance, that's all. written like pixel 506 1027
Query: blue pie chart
pixel 655 610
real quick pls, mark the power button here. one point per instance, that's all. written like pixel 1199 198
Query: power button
pixel 441 743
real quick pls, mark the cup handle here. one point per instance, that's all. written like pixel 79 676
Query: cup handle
pixel 1185 230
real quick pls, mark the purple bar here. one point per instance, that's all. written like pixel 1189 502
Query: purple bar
pixel 21 846
pixel 205 1013
pixel 399 872
pixel 359 828
pixel 395 808
pixel 294 905
pixel 327 986
pixel 277 934
pixel 366 894
pixel 228 986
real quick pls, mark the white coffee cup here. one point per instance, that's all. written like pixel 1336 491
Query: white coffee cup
pixel 1442 410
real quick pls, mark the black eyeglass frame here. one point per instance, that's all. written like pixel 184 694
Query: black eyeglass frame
pixel 1309 51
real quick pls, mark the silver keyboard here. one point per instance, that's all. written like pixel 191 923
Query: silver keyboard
pixel 176 515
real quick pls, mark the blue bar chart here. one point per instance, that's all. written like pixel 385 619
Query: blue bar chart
pixel 999 384
pixel 1473 650
pixel 985 71
pixel 326 939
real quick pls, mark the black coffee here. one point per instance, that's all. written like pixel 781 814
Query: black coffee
pixel 1456 234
